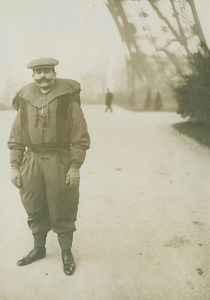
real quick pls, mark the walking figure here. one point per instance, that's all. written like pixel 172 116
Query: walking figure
pixel 109 99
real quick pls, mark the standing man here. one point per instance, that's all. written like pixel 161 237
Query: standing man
pixel 108 100
pixel 48 143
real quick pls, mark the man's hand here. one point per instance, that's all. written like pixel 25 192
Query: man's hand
pixel 15 177
pixel 73 177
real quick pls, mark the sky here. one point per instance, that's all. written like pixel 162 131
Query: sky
pixel 80 33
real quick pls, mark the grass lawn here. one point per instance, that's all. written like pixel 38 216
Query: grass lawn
pixel 199 132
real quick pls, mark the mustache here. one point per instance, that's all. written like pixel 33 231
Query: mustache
pixel 43 79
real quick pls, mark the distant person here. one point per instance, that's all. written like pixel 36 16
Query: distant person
pixel 108 100
pixel 48 143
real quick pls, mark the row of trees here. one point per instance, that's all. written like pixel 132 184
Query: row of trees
pixel 174 42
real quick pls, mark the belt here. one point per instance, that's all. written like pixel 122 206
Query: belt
pixel 47 149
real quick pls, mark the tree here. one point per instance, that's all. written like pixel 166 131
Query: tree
pixel 193 90
pixel 158 101
pixel 148 100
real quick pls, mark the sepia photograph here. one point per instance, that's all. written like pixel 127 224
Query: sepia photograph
pixel 105 150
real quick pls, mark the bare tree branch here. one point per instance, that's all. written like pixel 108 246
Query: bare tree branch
pixel 182 35
pixel 197 22
pixel 164 19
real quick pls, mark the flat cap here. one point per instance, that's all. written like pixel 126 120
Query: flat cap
pixel 46 62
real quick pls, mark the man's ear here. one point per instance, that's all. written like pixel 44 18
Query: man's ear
pixel 33 74
pixel 55 74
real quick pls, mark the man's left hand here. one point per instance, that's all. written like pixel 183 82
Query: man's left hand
pixel 73 177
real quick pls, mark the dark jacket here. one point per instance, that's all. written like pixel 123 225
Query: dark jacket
pixel 53 120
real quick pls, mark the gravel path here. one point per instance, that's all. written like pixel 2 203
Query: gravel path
pixel 143 224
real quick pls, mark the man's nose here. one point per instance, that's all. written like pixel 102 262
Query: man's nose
pixel 42 74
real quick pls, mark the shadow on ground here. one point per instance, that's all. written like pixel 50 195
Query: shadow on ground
pixel 199 132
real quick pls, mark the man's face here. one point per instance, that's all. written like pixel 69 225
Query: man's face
pixel 44 77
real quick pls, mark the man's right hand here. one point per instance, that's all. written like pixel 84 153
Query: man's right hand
pixel 15 177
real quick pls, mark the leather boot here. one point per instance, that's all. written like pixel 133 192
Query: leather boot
pixel 68 262
pixel 33 255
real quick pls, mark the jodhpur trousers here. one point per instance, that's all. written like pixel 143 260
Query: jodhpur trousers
pixel 48 201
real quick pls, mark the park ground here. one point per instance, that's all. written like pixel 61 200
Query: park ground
pixel 143 229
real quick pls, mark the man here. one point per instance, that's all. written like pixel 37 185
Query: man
pixel 48 143
pixel 108 100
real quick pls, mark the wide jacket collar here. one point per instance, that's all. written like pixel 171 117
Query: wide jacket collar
pixel 34 96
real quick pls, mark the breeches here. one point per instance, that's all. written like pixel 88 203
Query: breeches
pixel 48 201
